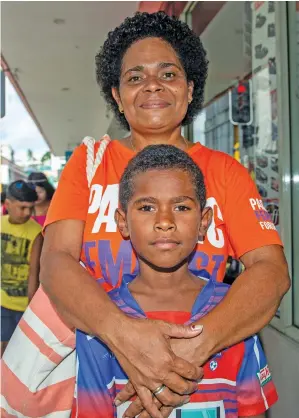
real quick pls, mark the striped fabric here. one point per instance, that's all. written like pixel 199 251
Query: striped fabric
pixel 41 382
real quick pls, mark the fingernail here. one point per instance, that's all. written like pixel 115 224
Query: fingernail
pixel 197 327
pixel 117 402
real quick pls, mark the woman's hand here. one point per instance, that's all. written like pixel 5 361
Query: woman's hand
pixel 193 350
pixel 149 362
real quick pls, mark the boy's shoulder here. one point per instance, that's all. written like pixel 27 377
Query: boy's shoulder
pixel 34 225
pixel 4 219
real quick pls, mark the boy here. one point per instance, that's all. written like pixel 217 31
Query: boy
pixel 21 243
pixel 162 210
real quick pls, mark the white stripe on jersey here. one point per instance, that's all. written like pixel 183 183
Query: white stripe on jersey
pixel 257 355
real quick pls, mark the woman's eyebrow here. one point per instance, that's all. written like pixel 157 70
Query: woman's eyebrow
pixel 136 68
pixel 160 65
pixel 168 64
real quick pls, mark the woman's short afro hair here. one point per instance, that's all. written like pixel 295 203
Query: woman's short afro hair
pixel 183 40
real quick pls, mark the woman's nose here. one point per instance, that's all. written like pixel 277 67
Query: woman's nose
pixel 153 84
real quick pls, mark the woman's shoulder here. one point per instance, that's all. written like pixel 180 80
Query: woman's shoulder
pixel 213 160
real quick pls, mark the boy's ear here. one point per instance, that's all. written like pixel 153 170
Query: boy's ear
pixel 206 219
pixel 121 222
pixel 7 203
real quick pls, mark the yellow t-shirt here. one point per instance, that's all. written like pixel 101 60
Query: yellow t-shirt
pixel 16 245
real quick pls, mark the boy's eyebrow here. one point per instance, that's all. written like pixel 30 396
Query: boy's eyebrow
pixel 145 199
pixel 180 199
pixel 177 199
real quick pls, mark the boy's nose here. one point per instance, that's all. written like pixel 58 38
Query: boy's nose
pixel 165 223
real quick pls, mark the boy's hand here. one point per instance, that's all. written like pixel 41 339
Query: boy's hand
pixel 136 409
pixel 149 362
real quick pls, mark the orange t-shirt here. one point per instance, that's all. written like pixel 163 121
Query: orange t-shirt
pixel 240 221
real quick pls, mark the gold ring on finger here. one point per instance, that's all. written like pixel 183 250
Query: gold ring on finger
pixel 159 390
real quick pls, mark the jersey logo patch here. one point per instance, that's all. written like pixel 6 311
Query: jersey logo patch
pixel 213 365
pixel 264 375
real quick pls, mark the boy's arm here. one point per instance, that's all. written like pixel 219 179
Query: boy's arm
pixel 34 266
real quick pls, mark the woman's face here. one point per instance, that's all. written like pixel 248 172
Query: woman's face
pixel 41 194
pixel 153 90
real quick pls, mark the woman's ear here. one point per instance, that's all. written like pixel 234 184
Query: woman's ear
pixel 206 219
pixel 116 97
pixel 121 222
pixel 190 91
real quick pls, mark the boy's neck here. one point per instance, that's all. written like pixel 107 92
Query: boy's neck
pixel 165 291
pixel 11 221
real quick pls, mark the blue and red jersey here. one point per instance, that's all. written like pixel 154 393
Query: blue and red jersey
pixel 237 381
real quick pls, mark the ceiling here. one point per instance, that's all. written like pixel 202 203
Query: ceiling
pixel 53 63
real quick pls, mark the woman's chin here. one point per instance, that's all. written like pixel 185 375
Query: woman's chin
pixel 155 124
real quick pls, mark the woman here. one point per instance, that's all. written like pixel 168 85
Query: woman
pixel 152 71
pixel 45 192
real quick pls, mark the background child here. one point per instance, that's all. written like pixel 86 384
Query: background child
pixel 45 192
pixel 162 210
pixel 21 243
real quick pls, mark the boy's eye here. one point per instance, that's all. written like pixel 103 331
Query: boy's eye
pixel 181 208
pixel 146 208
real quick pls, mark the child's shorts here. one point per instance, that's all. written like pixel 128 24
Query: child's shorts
pixel 9 322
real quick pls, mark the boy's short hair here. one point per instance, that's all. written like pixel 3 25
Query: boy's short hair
pixel 21 191
pixel 160 157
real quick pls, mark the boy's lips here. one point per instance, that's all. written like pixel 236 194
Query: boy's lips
pixel 165 243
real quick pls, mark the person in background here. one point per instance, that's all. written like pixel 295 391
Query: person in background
pixel 45 192
pixel 162 210
pixel 3 208
pixel 21 244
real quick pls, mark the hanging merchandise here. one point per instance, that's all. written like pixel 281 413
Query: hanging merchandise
pixel 265 152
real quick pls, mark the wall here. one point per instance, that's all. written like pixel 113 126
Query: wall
pixel 283 357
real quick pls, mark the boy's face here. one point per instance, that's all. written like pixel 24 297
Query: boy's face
pixel 164 219
pixel 19 212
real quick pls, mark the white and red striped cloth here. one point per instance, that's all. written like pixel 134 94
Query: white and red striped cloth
pixel 40 382
pixel 39 365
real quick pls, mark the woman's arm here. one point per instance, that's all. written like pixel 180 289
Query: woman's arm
pixel 141 346
pixel 249 305
pixel 34 266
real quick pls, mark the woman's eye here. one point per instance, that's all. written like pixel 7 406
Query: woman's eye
pixel 134 78
pixel 169 75
pixel 181 208
pixel 146 208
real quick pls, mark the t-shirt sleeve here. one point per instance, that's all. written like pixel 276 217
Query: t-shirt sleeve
pixel 249 225
pixel 70 200
pixel 256 391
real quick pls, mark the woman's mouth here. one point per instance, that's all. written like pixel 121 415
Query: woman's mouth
pixel 155 104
